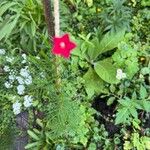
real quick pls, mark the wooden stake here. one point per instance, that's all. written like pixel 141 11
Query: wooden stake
pixel 56 18
pixel 49 18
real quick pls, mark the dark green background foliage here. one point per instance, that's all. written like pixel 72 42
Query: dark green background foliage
pixel 91 108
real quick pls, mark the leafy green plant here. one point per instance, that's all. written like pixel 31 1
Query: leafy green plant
pixel 24 22
pixel 145 3
pixel 126 58
pixel 99 72
pixel 128 108
pixel 138 142
pixel 116 16
pixel 68 120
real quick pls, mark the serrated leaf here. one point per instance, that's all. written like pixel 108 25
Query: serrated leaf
pixel 106 70
pixel 133 112
pixel 146 105
pixel 143 92
pixel 136 124
pixel 122 115
pixel 125 102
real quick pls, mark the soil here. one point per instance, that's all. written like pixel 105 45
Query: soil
pixel 106 117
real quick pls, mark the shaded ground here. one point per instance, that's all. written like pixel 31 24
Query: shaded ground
pixel 106 116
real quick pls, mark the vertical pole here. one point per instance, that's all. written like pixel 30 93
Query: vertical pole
pixel 49 18
pixel 56 18
pixel 57 33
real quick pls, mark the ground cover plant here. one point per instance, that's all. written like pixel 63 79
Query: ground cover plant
pixel 95 98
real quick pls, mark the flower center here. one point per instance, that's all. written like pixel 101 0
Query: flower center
pixel 62 45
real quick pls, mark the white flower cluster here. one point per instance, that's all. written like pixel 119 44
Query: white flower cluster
pixel 20 89
pixel 9 59
pixel 11 78
pixel 6 68
pixel 120 74
pixel 8 85
pixel 24 56
pixel 2 52
pixel 27 103
pixel 24 78
pixel 16 107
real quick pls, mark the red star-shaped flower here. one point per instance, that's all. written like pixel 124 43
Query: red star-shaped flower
pixel 63 46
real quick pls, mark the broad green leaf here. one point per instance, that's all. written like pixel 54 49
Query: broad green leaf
pixel 12 25
pixel 33 135
pixel 33 28
pixel 92 47
pixel 93 83
pixel 29 146
pixel 106 70
pixel 89 2
pixel 143 92
pixel 108 42
pixel 7 27
pixel 110 101
pixel 4 29
pixel 92 146
pixel 40 123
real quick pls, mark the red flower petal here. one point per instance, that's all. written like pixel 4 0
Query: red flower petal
pixel 63 46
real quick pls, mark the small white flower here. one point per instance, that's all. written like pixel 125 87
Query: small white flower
pixel 2 52
pixel 24 61
pixel 42 75
pixel 8 85
pixel 37 57
pixel 28 80
pixel 9 59
pixel 27 101
pixel 6 68
pixel 141 76
pixel 16 108
pixel 24 56
pixel 20 80
pixel 11 77
pixel 24 72
pixel 120 74
pixel 20 89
